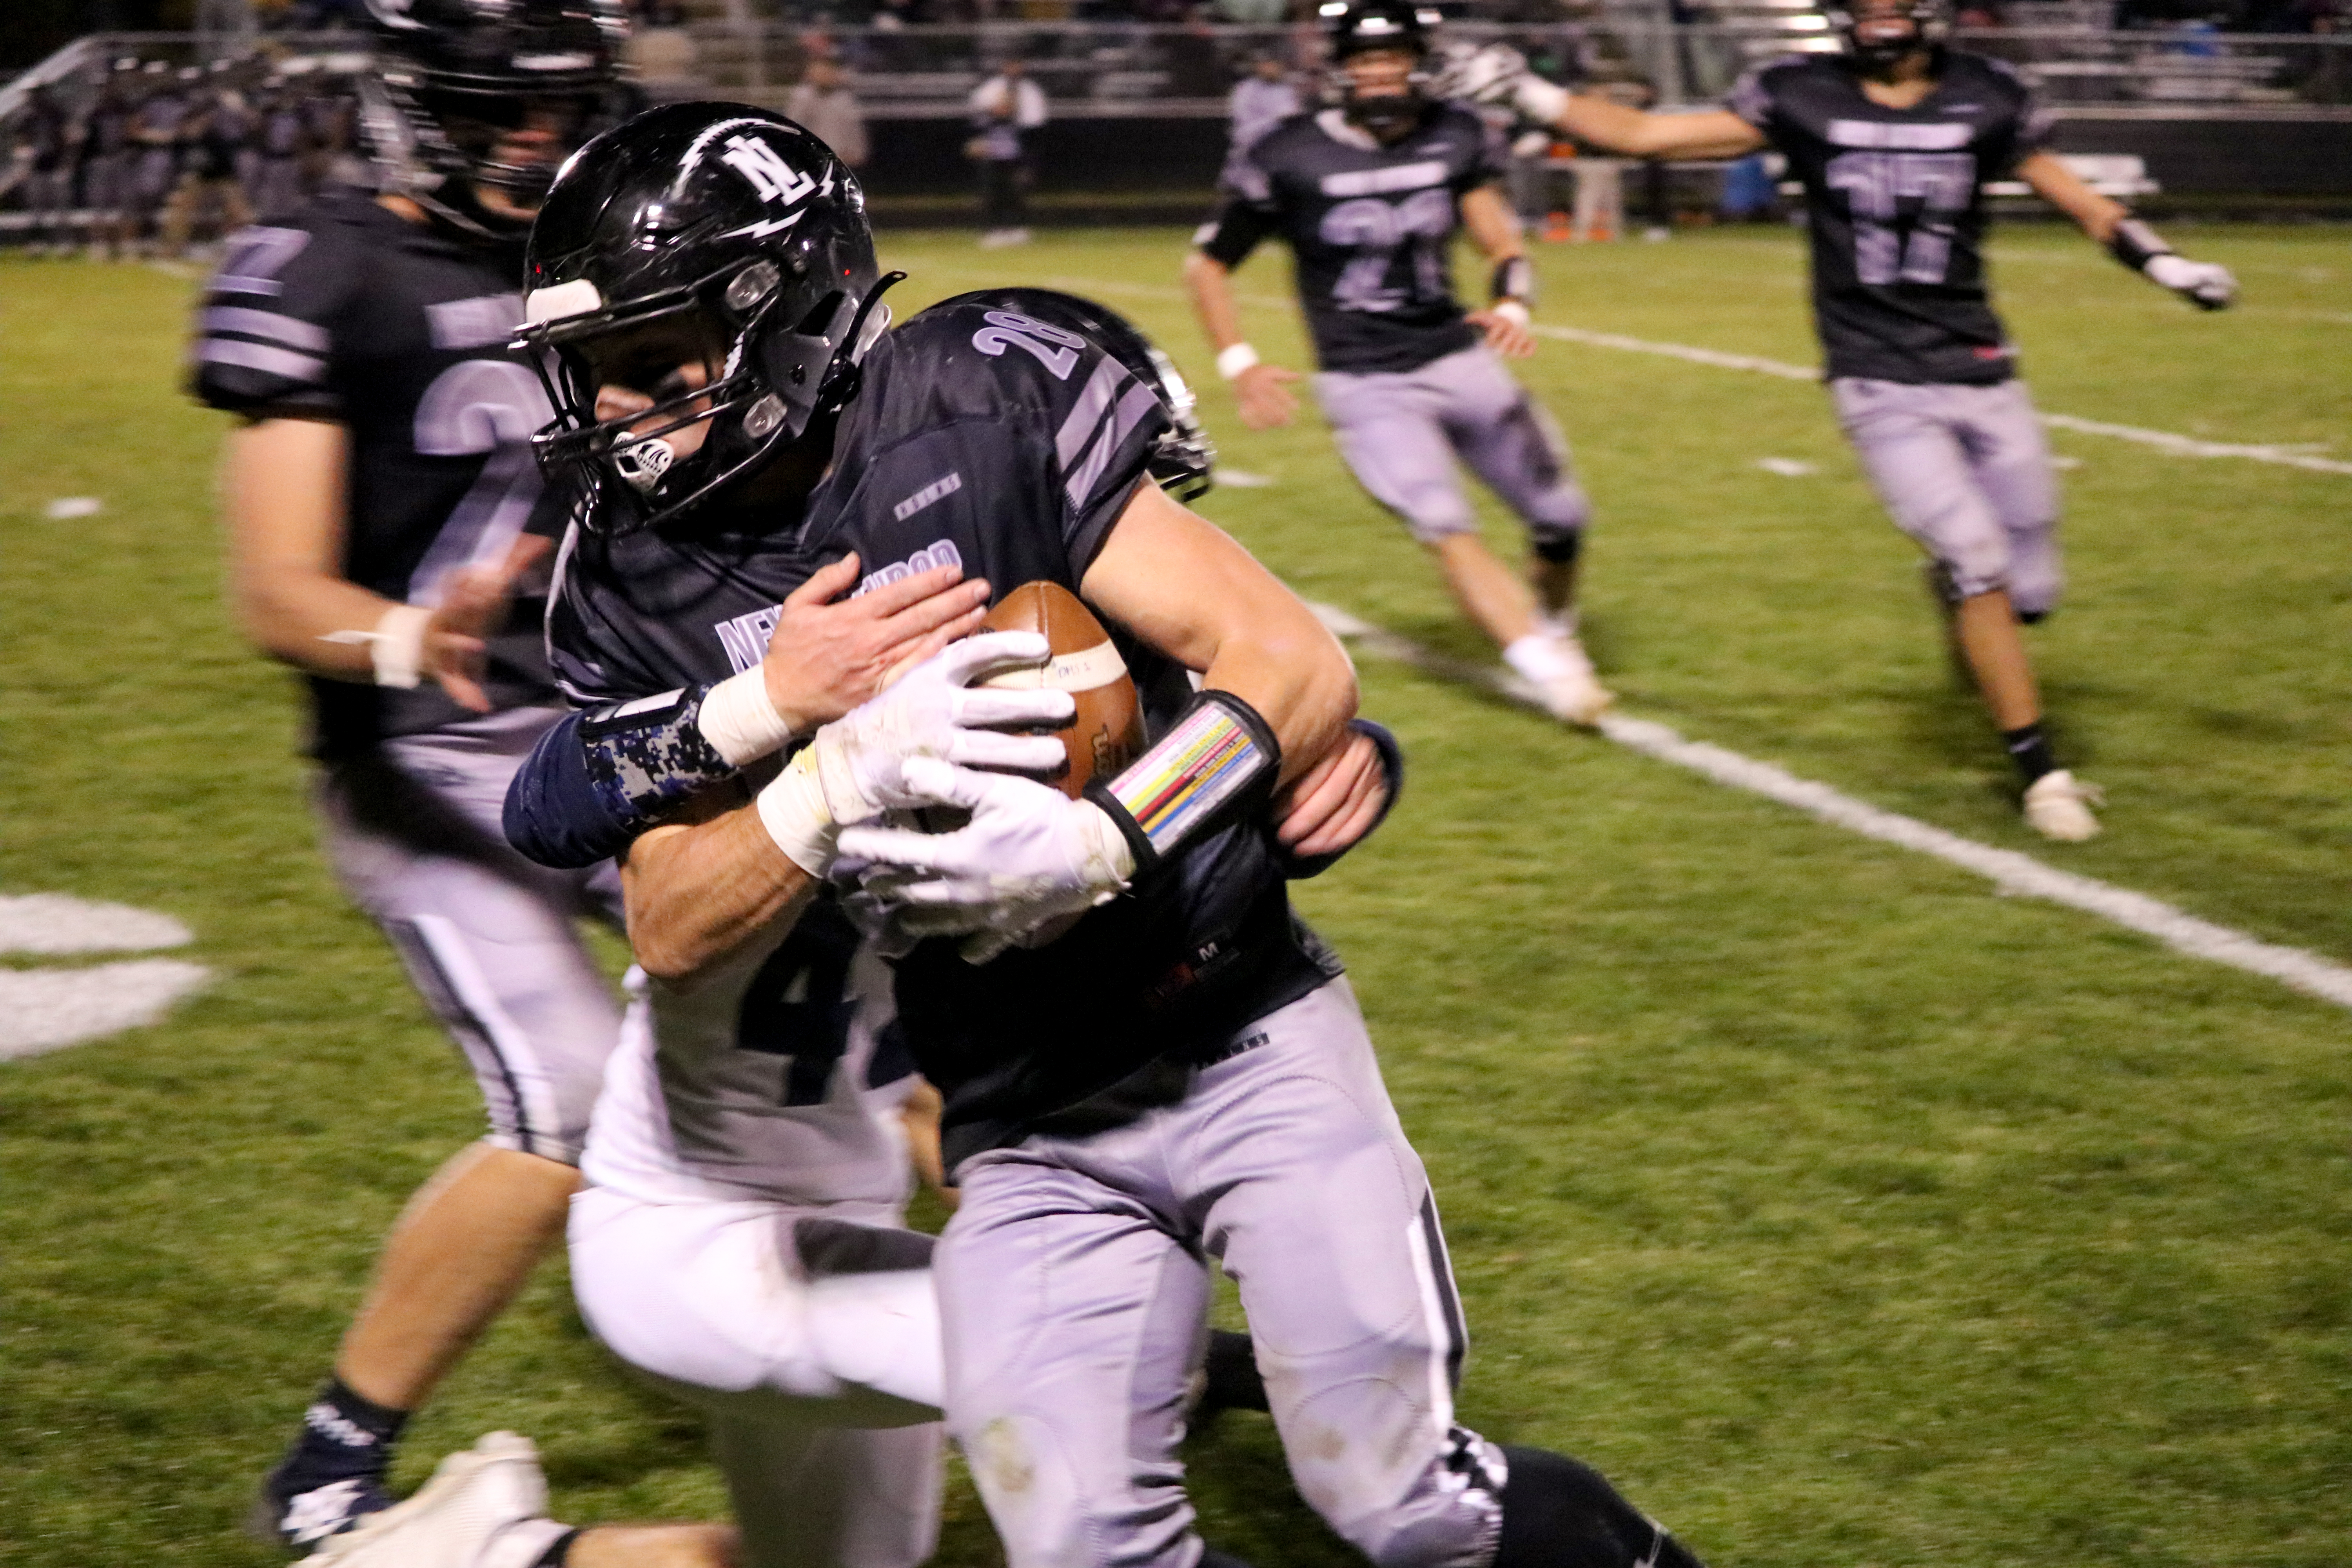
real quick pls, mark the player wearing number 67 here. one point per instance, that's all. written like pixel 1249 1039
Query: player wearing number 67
pixel 1894 140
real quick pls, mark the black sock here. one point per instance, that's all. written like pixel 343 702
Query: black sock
pixel 560 1553
pixel 2029 747
pixel 1559 1513
pixel 345 1436
pixel 1234 1383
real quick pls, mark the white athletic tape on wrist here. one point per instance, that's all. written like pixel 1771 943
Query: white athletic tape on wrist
pixel 1513 311
pixel 396 647
pixel 1081 672
pixel 740 719
pixel 1538 100
pixel 1232 361
pixel 794 811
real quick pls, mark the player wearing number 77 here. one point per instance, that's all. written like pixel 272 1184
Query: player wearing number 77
pixel 1894 141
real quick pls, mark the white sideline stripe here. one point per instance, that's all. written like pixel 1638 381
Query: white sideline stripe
pixel 2009 871
pixel 2162 440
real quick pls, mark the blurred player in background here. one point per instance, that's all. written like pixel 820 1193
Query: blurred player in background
pixel 1369 193
pixel 377 496
pixel 1895 140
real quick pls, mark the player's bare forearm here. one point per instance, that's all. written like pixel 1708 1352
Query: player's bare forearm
pixel 698 891
pixel 1187 589
pixel 282 491
pixel 1717 133
pixel 2054 182
pixel 1210 282
pixel 1494 228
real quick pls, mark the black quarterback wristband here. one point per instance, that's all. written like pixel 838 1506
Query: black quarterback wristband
pixel 1217 760
pixel 2135 245
pixel 1515 278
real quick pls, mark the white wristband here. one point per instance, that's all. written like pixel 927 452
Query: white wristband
pixel 793 810
pixel 1512 310
pixel 1538 100
pixel 740 719
pixel 1232 361
pixel 397 646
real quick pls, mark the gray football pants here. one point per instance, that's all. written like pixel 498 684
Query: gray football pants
pixel 414 835
pixel 1074 1286
pixel 1966 471
pixel 1400 431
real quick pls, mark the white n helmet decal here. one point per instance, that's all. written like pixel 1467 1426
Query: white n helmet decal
pixel 775 180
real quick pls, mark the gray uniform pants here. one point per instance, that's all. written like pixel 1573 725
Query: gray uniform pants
pixel 1400 431
pixel 1966 471
pixel 414 835
pixel 1073 1286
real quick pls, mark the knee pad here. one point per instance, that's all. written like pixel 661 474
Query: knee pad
pixel 1560 1513
pixel 1557 549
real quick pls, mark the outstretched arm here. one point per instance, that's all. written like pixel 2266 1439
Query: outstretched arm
pixel 1262 389
pixel 2206 285
pixel 1499 74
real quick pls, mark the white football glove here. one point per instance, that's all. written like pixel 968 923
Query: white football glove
pixel 2208 285
pixel 1498 73
pixel 853 769
pixel 1030 854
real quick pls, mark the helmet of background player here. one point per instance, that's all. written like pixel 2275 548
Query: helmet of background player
pixel 1363 26
pixel 456 79
pixel 708 234
pixel 1877 33
pixel 1184 461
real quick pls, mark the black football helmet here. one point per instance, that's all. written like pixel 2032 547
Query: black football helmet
pixel 1185 463
pixel 451 75
pixel 1357 27
pixel 1931 23
pixel 696 232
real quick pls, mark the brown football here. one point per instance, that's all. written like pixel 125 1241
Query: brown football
pixel 1106 732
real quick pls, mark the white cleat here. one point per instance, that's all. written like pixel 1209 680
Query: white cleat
pixel 2057 805
pixel 485 1507
pixel 1573 693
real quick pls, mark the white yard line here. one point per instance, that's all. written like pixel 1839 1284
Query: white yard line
pixel 2007 870
pixel 2178 446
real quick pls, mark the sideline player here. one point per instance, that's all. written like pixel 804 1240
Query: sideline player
pixel 377 496
pixel 1180 1073
pixel 1895 140
pixel 1368 194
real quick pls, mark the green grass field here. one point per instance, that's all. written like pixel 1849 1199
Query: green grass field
pixel 1842 1211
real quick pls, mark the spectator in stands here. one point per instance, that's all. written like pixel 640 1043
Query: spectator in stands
pixel 1260 99
pixel 50 143
pixel 108 161
pixel 164 109
pixel 280 144
pixel 212 138
pixel 824 102
pixel 1004 110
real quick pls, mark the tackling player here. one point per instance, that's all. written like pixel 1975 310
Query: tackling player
pixel 1182 1071
pixel 377 493
pixel 1895 141
pixel 1369 193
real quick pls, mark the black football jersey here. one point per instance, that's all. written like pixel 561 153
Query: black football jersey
pixel 990 440
pixel 1896 202
pixel 1371 228
pixel 346 311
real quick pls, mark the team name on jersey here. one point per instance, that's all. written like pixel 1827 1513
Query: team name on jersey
pixel 1940 137
pixel 474 323
pixel 745 637
pixel 1381 182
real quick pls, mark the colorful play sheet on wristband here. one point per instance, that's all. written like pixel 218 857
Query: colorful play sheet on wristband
pixel 1199 765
